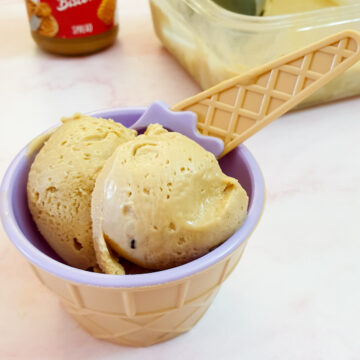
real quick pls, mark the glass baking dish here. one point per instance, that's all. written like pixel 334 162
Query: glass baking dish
pixel 214 44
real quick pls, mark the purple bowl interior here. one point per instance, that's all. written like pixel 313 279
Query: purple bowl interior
pixel 23 233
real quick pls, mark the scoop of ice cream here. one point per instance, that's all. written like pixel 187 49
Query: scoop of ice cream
pixel 61 180
pixel 162 200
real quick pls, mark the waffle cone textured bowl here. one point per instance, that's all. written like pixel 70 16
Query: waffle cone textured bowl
pixel 133 310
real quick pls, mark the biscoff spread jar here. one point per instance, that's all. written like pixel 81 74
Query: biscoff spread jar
pixel 72 27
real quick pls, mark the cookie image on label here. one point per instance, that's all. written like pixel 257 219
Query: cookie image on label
pixel 30 7
pixel 106 11
pixel 41 19
pixel 49 26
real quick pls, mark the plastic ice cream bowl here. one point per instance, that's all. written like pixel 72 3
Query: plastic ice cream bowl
pixel 133 310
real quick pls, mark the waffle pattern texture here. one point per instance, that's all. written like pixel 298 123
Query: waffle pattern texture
pixel 142 316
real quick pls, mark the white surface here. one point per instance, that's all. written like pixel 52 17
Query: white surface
pixel 295 294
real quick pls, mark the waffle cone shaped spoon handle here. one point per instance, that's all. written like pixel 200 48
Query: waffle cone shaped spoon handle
pixel 239 107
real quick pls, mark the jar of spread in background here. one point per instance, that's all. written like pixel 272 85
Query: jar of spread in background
pixel 72 27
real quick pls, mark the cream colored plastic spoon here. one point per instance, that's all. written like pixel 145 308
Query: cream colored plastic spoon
pixel 239 107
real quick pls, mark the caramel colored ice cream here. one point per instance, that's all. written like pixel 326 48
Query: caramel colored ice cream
pixel 61 181
pixel 162 200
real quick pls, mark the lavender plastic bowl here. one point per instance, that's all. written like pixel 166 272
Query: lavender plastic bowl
pixel 23 234
pixel 134 310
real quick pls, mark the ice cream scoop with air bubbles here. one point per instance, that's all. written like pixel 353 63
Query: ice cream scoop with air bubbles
pixel 160 201
pixel 61 180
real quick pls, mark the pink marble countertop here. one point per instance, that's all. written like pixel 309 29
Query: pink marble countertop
pixel 294 295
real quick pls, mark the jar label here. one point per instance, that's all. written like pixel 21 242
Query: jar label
pixel 69 19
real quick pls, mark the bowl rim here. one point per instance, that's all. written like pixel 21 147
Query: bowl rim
pixel 78 276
